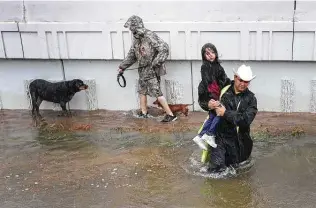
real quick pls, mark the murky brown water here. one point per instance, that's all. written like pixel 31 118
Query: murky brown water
pixel 126 162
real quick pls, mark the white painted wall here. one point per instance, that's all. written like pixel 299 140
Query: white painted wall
pixel 12 76
pixel 89 36
pixel 151 11
pixel 266 86
pixel 243 30
pixel 235 40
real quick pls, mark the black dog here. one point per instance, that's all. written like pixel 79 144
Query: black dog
pixel 59 92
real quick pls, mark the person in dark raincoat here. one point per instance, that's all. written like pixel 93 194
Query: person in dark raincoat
pixel 214 79
pixel 234 144
pixel 150 52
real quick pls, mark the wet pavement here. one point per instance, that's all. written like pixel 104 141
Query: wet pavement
pixel 122 161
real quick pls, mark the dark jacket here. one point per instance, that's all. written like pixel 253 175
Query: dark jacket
pixel 232 146
pixel 213 77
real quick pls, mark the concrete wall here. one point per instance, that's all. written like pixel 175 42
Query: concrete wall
pixel 267 86
pixel 242 30
pixel 276 38
pixel 151 11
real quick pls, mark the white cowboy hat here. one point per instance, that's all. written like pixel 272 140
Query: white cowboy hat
pixel 245 73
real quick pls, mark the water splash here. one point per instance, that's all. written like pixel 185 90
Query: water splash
pixel 135 114
pixel 197 168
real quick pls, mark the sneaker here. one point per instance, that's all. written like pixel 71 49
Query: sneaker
pixel 200 142
pixel 210 140
pixel 169 118
pixel 141 115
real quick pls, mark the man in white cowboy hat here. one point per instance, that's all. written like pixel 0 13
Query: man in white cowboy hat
pixel 234 144
pixel 244 76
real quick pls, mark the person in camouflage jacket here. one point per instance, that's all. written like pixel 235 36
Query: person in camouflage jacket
pixel 150 52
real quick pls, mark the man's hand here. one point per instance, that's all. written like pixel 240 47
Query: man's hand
pixel 220 110
pixel 212 104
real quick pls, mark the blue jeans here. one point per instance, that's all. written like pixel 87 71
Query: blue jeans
pixel 209 126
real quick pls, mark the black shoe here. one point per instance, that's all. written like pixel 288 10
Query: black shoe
pixel 141 115
pixel 169 118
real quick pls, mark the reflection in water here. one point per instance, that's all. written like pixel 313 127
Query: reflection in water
pixel 229 193
pixel 111 167
pixel 62 141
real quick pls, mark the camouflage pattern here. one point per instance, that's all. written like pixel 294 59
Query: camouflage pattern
pixel 134 22
pixel 147 49
pixel 149 87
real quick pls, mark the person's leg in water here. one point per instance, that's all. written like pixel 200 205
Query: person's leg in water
pixel 169 115
pixel 198 139
pixel 152 88
pixel 143 91
pixel 155 89
pixel 143 106
pixel 218 158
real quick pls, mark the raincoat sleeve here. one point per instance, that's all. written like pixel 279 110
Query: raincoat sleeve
pixel 162 49
pixel 129 60
pixel 245 118
pixel 204 74
pixel 203 97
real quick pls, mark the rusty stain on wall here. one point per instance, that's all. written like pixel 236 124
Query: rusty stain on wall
pixel 287 95
pixel 313 97
pixel 91 94
pixel 174 91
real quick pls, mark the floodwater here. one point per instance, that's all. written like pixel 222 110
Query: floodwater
pixel 127 162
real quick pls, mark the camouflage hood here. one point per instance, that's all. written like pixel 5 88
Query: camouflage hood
pixel 134 22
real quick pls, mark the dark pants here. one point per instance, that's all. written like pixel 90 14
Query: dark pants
pixel 226 152
pixel 230 151
pixel 209 126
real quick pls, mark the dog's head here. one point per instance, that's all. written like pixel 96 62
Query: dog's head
pixel 77 85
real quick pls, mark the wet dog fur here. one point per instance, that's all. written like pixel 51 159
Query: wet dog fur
pixel 58 92
pixel 175 108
